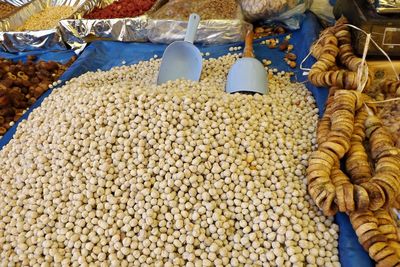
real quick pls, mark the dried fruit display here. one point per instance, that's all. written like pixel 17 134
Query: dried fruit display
pixel 351 132
pixel 378 234
pixel 22 83
pixel 335 47
pixel 121 9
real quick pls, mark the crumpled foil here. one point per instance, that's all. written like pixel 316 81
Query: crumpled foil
pixel 14 41
pixel 17 2
pixel 217 31
pixel 29 41
pixel 78 32
pixel 209 31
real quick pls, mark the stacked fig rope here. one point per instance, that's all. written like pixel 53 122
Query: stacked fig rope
pixel 351 133
pixel 389 111
pixel 335 45
pixel 390 87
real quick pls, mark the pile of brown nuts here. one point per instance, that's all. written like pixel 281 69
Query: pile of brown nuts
pixel 22 83
pixel 264 31
pixel 207 9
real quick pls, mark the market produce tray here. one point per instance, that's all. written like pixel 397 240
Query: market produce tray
pixel 223 24
pixel 18 3
pixel 78 32
pixel 105 55
pixel 13 40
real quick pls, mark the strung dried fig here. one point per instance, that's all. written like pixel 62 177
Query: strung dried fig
pixel 335 45
pixel 351 131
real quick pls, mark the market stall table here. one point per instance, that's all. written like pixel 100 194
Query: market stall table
pixel 105 55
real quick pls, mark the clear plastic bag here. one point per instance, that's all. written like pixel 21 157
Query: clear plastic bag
pixel 323 9
pixel 207 9
pixel 288 12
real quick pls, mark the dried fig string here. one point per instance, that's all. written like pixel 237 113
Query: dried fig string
pixel 351 131
pixel 380 49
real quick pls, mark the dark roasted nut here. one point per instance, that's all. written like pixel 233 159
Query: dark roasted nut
pixel 291 56
pixel 279 30
pixel 292 64
pixel 284 45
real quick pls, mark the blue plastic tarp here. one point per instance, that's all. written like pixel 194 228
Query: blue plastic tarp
pixel 105 55
pixel 59 56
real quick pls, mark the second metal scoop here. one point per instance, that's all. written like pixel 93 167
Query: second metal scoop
pixel 247 74
pixel 181 59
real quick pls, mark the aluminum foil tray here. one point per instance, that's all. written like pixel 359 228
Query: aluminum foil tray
pixel 17 2
pixel 50 39
pixel 78 32
pixel 209 31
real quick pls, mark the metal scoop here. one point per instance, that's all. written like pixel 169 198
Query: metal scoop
pixel 247 75
pixel 181 59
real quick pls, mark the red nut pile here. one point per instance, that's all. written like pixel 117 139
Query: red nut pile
pixel 22 83
pixel 121 9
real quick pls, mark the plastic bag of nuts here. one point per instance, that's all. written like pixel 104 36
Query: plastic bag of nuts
pixel 285 11
pixel 207 9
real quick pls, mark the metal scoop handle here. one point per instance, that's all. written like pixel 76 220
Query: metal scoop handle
pixel 194 21
pixel 248 46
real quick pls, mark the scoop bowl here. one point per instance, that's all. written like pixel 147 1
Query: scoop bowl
pixel 247 75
